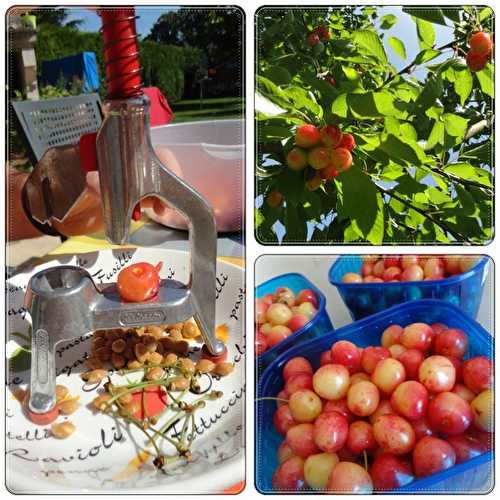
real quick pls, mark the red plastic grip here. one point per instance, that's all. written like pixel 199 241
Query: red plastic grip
pixel 121 53
pixel 88 152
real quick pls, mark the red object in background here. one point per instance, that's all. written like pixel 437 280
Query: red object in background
pixel 160 111
pixel 121 54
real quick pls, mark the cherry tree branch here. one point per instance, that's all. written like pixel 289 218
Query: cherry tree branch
pixel 458 237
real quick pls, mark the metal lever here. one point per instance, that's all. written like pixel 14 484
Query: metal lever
pixel 65 303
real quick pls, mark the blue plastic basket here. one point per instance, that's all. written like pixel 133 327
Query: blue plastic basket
pixel 364 299
pixel 363 333
pixel 318 325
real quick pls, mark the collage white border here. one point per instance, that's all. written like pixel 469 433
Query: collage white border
pixel 253 249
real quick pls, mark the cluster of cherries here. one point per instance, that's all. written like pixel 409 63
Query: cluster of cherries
pixel 326 150
pixel 480 50
pixel 279 314
pixel 379 417
pixel 377 269
pixel 318 35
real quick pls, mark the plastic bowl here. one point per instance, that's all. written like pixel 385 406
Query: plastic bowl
pixel 209 156
pixel 318 325
pixel 363 299
pixel 363 333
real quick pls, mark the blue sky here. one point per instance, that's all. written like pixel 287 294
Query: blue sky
pixel 92 22
pixel 405 29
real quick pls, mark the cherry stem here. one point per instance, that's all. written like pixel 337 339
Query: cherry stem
pixel 272 398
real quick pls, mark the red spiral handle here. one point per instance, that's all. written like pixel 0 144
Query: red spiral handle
pixel 121 52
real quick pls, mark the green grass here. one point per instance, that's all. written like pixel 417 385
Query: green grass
pixel 208 102
pixel 197 118
pixel 216 109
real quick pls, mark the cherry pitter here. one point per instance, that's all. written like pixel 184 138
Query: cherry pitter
pixel 64 302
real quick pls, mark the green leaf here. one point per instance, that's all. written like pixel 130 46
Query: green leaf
pixel 430 93
pixel 272 133
pixel 278 74
pixel 432 14
pixel 485 78
pixel 469 172
pixel 398 47
pixel 371 43
pixel 259 218
pixel 436 136
pixel 304 100
pixel 426 34
pixel 426 55
pixel 365 105
pixel 272 91
pixel 402 150
pixel 485 13
pixel 339 106
pixel 350 73
pixel 455 125
pixel 463 85
pixel 353 186
pixel 388 21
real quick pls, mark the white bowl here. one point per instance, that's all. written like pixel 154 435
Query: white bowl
pixel 208 155
pixel 91 460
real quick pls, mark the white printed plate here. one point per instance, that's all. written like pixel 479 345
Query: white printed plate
pixel 102 455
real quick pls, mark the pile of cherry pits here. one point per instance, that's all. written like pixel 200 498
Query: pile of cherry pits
pixel 394 268
pixel 378 418
pixel 278 315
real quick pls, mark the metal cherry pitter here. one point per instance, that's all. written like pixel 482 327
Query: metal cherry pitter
pixel 63 301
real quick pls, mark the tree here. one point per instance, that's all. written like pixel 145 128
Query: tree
pixel 422 169
pixel 214 31
pixel 56 16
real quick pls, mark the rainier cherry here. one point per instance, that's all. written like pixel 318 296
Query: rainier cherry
pixel 478 373
pixel 329 173
pixel 449 414
pixel 330 135
pixel 307 136
pixel 347 141
pixel 295 366
pixel 341 159
pixel 317 469
pixel 432 455
pixel 296 159
pixel 319 158
pixel 289 476
pixel 349 477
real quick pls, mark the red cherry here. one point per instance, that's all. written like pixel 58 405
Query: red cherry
pixel 307 136
pixel 480 43
pixel 330 135
pixel 341 159
pixel 260 344
pixel 312 39
pixel 476 62
pixel 347 141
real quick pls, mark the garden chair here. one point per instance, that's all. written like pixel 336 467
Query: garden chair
pixel 57 122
